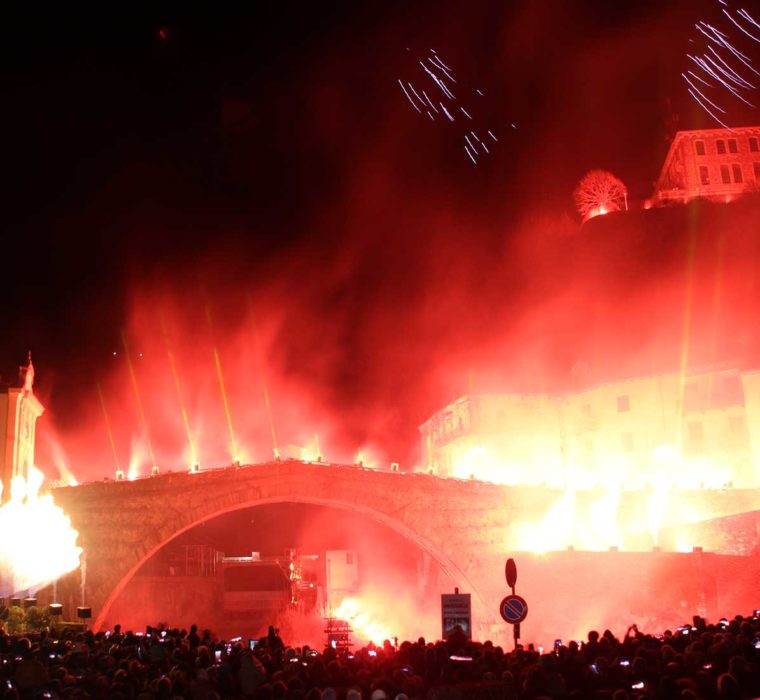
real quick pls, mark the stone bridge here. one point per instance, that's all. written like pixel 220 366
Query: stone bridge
pixel 461 525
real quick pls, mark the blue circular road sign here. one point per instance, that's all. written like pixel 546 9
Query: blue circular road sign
pixel 513 609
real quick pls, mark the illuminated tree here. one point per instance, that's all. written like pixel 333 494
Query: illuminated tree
pixel 599 192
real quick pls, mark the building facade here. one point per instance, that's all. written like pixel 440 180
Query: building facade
pixel 702 431
pixel 19 410
pixel 712 163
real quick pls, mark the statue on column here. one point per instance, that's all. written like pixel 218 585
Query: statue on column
pixel 27 375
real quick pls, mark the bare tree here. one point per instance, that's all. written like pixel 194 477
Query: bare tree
pixel 599 192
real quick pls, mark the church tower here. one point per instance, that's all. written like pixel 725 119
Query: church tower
pixel 19 410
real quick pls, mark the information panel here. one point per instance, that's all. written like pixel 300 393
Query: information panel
pixel 456 611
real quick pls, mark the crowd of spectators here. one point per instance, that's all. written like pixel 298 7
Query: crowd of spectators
pixel 699 660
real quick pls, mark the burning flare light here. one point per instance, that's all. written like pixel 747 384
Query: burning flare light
pixel 365 628
pixel 38 543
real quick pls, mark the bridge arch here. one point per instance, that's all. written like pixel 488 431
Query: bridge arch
pixel 448 566
pixel 122 524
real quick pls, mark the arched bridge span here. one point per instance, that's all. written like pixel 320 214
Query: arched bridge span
pixel 460 524
pixel 464 525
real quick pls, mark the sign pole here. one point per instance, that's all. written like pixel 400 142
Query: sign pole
pixel 513 608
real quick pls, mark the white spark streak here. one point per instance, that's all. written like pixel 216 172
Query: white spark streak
pixel 416 94
pixel 739 26
pixel 437 64
pixel 441 61
pixel 408 97
pixel 432 106
pixel 717 119
pixel 707 99
pixel 748 17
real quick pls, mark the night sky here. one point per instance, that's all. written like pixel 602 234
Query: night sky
pixel 266 158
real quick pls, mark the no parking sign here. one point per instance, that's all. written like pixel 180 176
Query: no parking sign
pixel 513 609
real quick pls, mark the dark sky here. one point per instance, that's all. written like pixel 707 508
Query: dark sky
pixel 268 153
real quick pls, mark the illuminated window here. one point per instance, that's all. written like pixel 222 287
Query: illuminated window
pixel 756 168
pixel 732 146
pixel 704 174
pixel 720 144
pixel 725 175
pixel 623 404
pixel 626 442
pixel 753 145
pixel 737 172
pixel 349 557
pixel 700 147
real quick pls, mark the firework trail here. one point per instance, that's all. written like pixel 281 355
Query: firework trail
pixel 444 103
pixel 724 72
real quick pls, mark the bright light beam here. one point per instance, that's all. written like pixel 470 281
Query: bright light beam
pixel 138 400
pixel 108 426
pixel 220 377
pixel 686 330
pixel 265 388
pixel 180 396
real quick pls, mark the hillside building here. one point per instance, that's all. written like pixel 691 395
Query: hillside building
pixel 712 163
pixel 703 431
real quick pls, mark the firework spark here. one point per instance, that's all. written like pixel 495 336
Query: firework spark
pixel 725 65
pixel 440 76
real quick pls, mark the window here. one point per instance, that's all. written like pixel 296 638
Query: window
pixel 626 442
pixel 737 168
pixel 756 168
pixel 623 404
pixel 753 145
pixel 720 145
pixel 732 146
pixel 725 175
pixel 704 174
pixel 349 557
pixel 700 147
